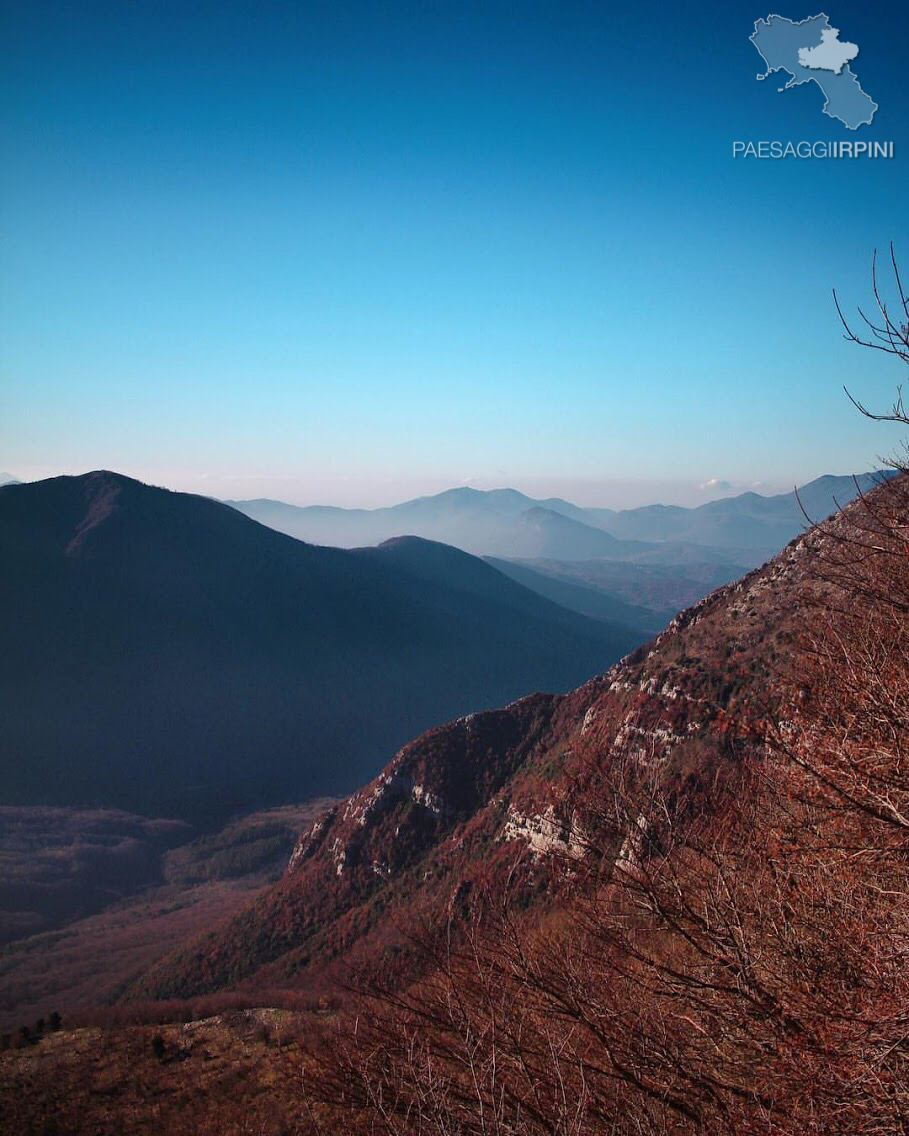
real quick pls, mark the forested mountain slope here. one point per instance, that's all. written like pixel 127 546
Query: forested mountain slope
pixel 165 654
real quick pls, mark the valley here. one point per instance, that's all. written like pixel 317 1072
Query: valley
pixel 90 900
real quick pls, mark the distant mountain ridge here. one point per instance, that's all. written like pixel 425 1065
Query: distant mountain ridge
pixel 168 655
pixel 744 530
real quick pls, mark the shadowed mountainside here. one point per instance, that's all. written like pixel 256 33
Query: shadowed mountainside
pixel 167 655
pixel 551 579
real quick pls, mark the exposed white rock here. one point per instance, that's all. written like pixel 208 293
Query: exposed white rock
pixel 392 788
pixel 422 796
pixel 340 853
pixel 544 834
pixel 308 841
pixel 629 857
pixel 589 718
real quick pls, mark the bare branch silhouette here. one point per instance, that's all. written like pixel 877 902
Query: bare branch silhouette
pixel 888 333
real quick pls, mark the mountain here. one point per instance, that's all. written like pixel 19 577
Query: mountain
pixel 457 516
pixel 748 521
pixel 167 655
pixel 746 529
pixel 501 523
pixel 662 589
pixel 483 521
pixel 495 522
pixel 545 578
pixel 662 862
pixel 539 532
pixel 9 479
pixel 502 795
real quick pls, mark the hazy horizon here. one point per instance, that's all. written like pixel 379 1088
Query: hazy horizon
pixel 382 492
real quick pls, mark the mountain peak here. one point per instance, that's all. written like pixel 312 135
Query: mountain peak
pixel 166 652
pixel 510 499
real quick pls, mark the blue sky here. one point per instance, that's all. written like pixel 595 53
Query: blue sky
pixel 350 253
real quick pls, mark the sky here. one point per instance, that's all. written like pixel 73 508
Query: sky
pixel 352 253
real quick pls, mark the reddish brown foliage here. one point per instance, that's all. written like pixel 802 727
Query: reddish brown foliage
pixel 738 964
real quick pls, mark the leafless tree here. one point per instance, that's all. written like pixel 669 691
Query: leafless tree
pixel 887 330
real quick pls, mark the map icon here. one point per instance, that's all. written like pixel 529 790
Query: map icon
pixel 811 51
